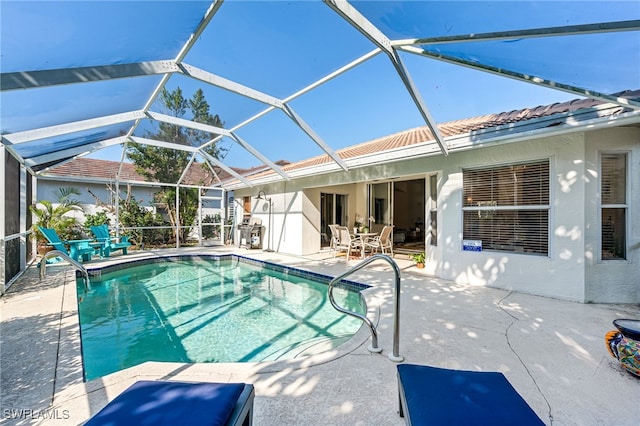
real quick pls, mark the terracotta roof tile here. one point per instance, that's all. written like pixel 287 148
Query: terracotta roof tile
pixel 101 169
pixel 201 174
pixel 452 128
pixel 198 173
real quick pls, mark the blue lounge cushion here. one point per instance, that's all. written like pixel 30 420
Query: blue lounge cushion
pixel 440 396
pixel 171 403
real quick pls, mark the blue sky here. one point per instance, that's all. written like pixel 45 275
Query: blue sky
pixel 280 47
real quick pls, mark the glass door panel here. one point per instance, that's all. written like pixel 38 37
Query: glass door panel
pixel 380 204
pixel 333 209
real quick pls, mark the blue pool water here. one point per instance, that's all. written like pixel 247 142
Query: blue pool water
pixel 206 310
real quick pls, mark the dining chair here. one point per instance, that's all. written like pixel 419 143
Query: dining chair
pixel 382 242
pixel 335 238
pixel 349 242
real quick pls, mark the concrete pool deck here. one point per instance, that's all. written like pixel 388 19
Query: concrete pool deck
pixel 552 352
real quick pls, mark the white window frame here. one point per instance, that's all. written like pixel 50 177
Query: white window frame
pixel 489 207
pixel 432 208
pixel 624 205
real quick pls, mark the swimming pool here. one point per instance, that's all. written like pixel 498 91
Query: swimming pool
pixel 208 309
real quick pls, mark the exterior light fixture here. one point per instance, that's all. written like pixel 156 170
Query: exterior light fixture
pixel 263 196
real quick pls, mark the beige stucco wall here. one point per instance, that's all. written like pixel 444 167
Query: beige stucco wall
pixel 571 270
pixel 561 273
pixel 613 280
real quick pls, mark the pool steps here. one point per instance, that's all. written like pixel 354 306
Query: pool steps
pixel 65 256
pixel 395 355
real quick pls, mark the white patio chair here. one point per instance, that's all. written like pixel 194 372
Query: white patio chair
pixel 382 242
pixel 335 238
pixel 348 242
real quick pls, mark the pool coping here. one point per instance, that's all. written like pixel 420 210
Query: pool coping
pixel 286 270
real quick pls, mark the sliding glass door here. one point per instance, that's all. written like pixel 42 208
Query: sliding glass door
pixel 406 204
pixel 380 205
pixel 333 209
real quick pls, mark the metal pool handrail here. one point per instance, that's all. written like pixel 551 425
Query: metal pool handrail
pixel 395 356
pixel 65 256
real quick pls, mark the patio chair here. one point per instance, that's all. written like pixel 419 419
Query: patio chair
pixel 440 396
pixel 110 243
pixel 348 242
pixel 77 248
pixel 179 403
pixel 335 238
pixel 381 242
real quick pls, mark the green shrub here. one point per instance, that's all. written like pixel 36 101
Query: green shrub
pixel 100 218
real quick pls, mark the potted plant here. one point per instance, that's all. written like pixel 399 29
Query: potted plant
pixel 357 225
pixel 419 259
pixel 46 214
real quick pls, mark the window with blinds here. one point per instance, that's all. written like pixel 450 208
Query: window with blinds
pixel 613 199
pixel 507 207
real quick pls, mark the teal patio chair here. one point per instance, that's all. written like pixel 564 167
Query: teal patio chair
pixel 77 248
pixel 109 243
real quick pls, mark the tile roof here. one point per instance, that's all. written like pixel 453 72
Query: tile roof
pixel 199 174
pixel 454 128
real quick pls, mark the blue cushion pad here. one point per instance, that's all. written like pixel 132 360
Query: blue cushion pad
pixel 171 403
pixel 441 396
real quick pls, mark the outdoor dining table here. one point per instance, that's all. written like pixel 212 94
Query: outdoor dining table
pixel 364 236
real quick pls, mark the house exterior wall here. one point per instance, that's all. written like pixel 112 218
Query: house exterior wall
pixel 561 273
pixel 296 212
pixel 612 281
pixel 571 270
pixel 356 196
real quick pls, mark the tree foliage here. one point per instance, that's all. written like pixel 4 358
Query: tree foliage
pixel 167 165
pixel 136 217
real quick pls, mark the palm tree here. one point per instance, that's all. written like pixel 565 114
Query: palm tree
pixel 50 215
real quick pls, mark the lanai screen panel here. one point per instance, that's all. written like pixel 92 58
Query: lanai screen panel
pixel 43 35
pixel 298 79
pixel 11 216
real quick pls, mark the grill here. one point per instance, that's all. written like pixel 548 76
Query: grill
pixel 250 233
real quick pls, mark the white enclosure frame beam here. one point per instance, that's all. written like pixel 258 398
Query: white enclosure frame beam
pixel 219 130
pixel 77 126
pixel 73 152
pixel 57 77
pixel 186 169
pixel 525 78
pixel 304 90
pixel 232 86
pixel 602 27
pixel 259 156
pixel 359 22
pixel 227 169
pixel 309 131
pixel 161 144
pixel 187 123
